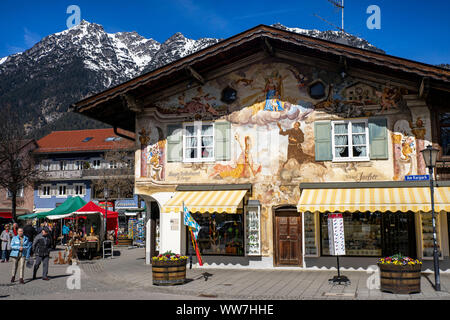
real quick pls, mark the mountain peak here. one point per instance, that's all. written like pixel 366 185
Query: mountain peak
pixel 331 35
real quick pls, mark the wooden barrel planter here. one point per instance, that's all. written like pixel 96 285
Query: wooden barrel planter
pixel 168 273
pixel 124 241
pixel 400 279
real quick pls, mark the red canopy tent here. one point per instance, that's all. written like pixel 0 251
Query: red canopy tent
pixel 6 215
pixel 112 216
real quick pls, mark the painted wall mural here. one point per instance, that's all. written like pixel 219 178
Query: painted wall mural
pixel 272 116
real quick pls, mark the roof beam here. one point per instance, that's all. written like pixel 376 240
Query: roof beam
pixel 131 103
pixel 424 88
pixel 195 75
pixel 268 47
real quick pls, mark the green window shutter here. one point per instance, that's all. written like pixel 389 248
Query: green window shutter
pixel 174 143
pixel 222 141
pixel 378 138
pixel 322 141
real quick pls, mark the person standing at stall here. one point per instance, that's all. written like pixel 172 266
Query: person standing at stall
pixel 20 252
pixel 42 245
pixel 65 232
pixel 6 237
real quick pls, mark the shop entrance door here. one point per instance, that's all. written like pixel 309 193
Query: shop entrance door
pixel 398 234
pixel 154 228
pixel 288 231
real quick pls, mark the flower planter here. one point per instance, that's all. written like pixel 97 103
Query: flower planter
pixel 401 279
pixel 168 273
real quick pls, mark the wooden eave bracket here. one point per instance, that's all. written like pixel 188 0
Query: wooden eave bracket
pixel 268 47
pixel 131 103
pixel 424 88
pixel 195 75
pixel 343 66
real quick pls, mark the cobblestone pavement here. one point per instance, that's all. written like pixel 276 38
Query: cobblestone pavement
pixel 126 276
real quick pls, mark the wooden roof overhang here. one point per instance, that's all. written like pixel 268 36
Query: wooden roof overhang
pixel 117 106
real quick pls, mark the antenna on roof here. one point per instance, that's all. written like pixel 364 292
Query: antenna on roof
pixel 339 6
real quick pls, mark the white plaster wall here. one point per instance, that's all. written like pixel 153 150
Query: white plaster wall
pixel 171 239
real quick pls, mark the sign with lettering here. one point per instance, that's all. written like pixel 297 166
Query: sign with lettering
pixel 419 177
pixel 174 224
pixel 336 239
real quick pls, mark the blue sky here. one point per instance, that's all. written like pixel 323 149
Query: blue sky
pixel 415 29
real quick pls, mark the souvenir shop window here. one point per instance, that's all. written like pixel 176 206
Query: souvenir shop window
pixel 253 230
pixel 350 140
pixel 310 233
pixel 362 233
pixel 427 235
pixel 220 234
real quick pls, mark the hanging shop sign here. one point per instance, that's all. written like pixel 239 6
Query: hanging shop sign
pixel 336 234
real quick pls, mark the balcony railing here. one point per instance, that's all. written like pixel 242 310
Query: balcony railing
pixel 98 173
pixel 85 173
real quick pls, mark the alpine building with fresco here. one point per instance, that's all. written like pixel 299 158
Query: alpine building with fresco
pixel 264 134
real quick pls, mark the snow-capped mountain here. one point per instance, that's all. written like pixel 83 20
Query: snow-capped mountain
pixel 335 36
pixel 68 66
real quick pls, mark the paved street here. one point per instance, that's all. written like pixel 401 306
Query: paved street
pixel 127 277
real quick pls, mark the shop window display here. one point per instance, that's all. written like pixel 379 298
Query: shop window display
pixel 310 234
pixel 220 234
pixel 362 234
pixel 427 235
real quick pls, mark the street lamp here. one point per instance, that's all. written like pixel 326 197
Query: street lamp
pixel 429 155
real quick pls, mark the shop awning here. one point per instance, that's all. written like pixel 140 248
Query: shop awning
pixel 374 199
pixel 70 205
pixel 223 201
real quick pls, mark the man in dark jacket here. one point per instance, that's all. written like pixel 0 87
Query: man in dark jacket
pixel 42 245
pixel 29 231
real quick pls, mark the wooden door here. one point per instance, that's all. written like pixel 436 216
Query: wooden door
pixel 288 238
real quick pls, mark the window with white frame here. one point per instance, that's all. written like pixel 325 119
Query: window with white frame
pixel 63 165
pixel 45 190
pixel 78 165
pixel 62 190
pixel 19 193
pixel 198 142
pixel 45 165
pixel 79 189
pixel 350 140
pixel 113 164
pixel 96 164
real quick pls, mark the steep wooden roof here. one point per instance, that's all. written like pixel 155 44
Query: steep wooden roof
pixel 111 107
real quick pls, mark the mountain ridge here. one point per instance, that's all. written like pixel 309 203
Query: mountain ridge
pixel 68 66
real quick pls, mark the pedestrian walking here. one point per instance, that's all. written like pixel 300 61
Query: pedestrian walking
pixel 41 247
pixel 6 237
pixel 29 231
pixel 20 251
pixel 15 228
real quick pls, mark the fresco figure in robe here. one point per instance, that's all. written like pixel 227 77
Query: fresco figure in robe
pixel 273 93
pixel 245 168
pixel 144 139
pixel 295 140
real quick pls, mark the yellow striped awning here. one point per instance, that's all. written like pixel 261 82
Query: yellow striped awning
pixel 223 201
pixel 374 199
